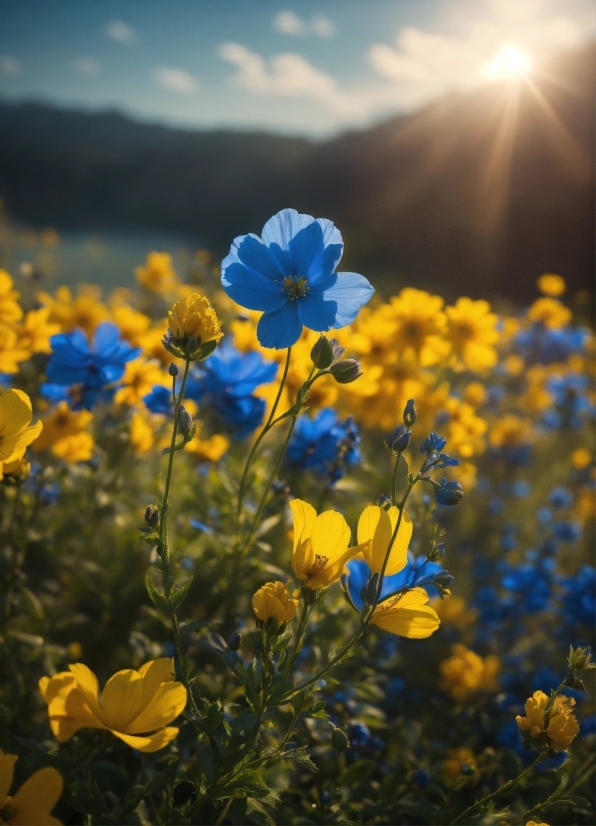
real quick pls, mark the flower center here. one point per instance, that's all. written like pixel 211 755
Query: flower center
pixel 295 287
pixel 319 563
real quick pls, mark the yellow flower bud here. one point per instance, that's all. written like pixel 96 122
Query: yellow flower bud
pixel 274 600
pixel 195 318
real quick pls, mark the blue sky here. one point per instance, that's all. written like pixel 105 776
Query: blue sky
pixel 308 67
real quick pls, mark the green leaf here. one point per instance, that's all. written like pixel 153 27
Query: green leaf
pixel 300 756
pixel 280 691
pixel 178 597
pixel 156 598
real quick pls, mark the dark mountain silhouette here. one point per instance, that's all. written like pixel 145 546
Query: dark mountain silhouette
pixel 477 193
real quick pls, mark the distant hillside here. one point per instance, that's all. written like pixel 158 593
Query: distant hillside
pixel 478 193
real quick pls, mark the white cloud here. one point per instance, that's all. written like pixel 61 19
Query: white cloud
pixel 423 65
pixel 121 31
pixel 323 26
pixel 284 75
pixel 87 66
pixel 9 65
pixel 287 22
pixel 175 80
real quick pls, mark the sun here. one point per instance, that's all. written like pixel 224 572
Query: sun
pixel 509 63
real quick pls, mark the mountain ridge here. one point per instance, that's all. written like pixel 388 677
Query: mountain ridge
pixel 478 192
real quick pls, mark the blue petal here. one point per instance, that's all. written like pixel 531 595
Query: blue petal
pixel 280 229
pixel 254 254
pixel 281 328
pixel 106 338
pixel 251 289
pixel 329 254
pixel 316 312
pixel 349 290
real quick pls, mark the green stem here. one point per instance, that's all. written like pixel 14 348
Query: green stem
pixel 391 541
pixel 268 425
pixel 490 796
pixel 394 480
pixel 291 661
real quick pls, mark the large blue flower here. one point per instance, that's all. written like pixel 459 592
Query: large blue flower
pixel 90 367
pixel 226 381
pixel 289 274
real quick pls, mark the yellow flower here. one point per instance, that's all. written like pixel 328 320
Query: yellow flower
pixel 510 431
pixel 208 450
pixel 466 431
pixel 36 330
pixel 84 311
pixel 152 344
pixel 455 761
pixel 475 394
pixel 195 318
pixel 466 673
pixel 550 312
pixel 158 274
pixel 132 323
pixel 65 432
pixel 554 728
pixel 274 600
pixel 140 377
pixel 16 430
pixel 375 529
pixel 514 365
pixel 582 458
pixel 550 284
pixel 17 470
pixel 131 705
pixel 34 801
pixel 533 823
pixel 320 545
pixel 454 611
pixel 420 324
pixel 141 434
pixel 407 615
pixel 10 310
pixel 11 353
pixel 536 397
pixel 472 333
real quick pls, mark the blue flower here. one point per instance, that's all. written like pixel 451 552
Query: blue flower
pixel 159 400
pixel 543 345
pixel 90 368
pixel 560 497
pixel 433 443
pixel 226 381
pixel 325 444
pixel 289 274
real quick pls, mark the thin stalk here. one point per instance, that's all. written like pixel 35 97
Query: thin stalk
pixel 163 527
pixel 490 796
pixel 291 661
pixel 394 480
pixel 268 425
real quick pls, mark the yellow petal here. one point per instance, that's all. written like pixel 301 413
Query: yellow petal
pixel 154 673
pixel 121 699
pixel 399 550
pixel 330 536
pixel 15 412
pixel 7 762
pixel 414 623
pixel 374 526
pixel 167 703
pixel 37 797
pixel 13 447
pixel 87 680
pixel 60 683
pixel 304 516
pixel 151 742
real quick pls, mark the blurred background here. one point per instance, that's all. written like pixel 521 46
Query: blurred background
pixel 452 141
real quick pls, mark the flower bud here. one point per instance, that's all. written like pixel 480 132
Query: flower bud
pixel 448 493
pixel 371 589
pixel 322 353
pixel 579 658
pixel 235 641
pixel 437 552
pixel 184 420
pixel 400 439
pixel 173 370
pixel 346 371
pixel 152 516
pixel 443 579
pixel 433 443
pixel 410 413
pixel 339 740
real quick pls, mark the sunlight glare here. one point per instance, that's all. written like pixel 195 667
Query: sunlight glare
pixel 510 63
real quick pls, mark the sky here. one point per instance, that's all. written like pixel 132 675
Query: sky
pixel 308 67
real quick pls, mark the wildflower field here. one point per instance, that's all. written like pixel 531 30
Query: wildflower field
pixel 279 549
